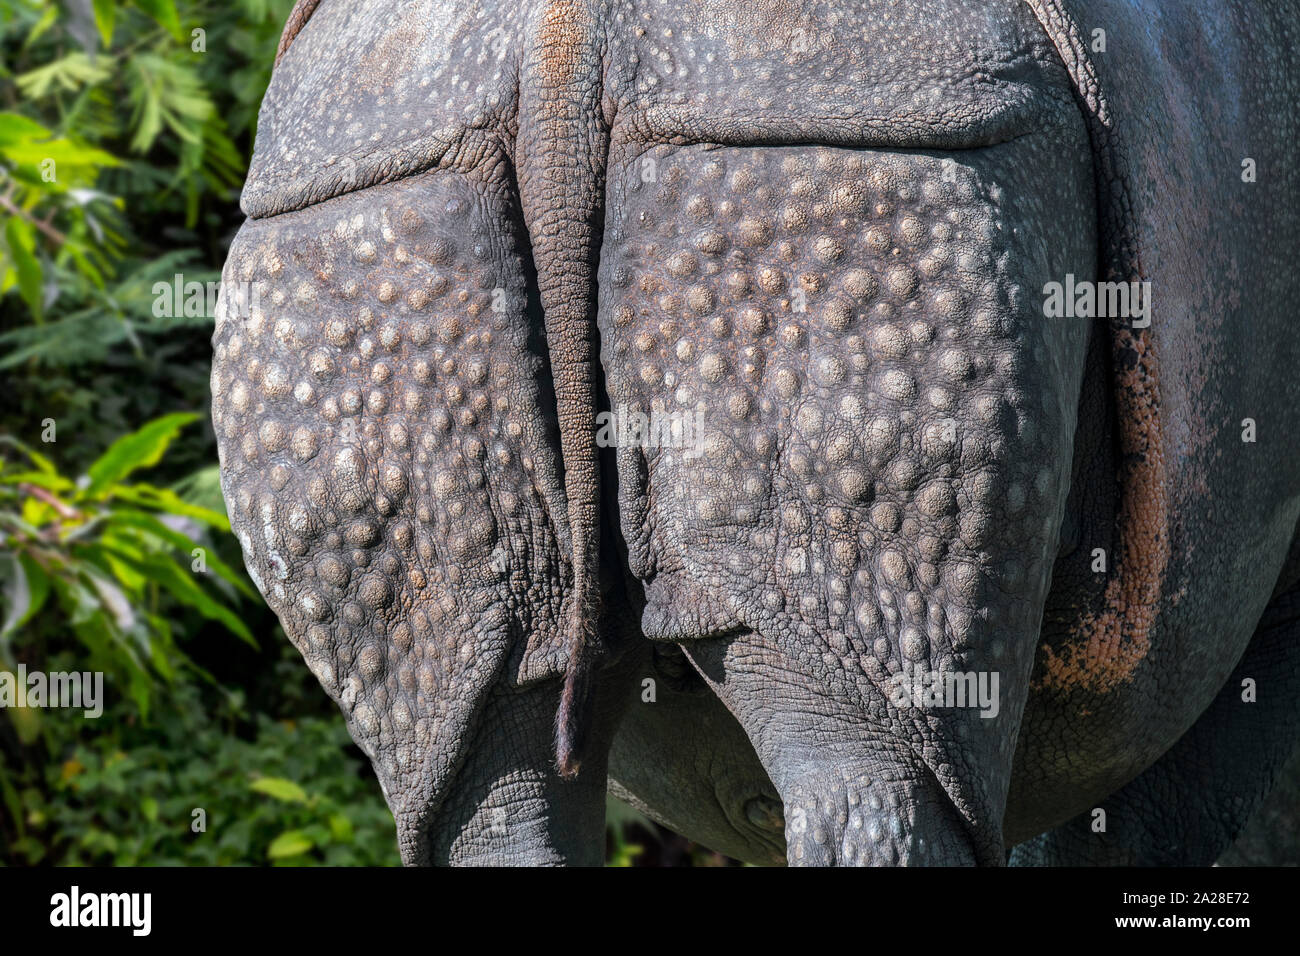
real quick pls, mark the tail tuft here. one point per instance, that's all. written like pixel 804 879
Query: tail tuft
pixel 573 720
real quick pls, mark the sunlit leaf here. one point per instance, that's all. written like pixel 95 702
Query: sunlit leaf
pixel 40 479
pixel 289 843
pixel 150 524
pixel 164 499
pixel 280 789
pixel 16 128
pixel 105 14
pixel 68 73
pixel 164 12
pixel 20 243
pixel 140 449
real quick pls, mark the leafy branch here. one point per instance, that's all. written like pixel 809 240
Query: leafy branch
pixel 101 547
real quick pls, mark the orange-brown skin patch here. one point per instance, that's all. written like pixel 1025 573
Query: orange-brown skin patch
pixel 1107 646
pixel 565 30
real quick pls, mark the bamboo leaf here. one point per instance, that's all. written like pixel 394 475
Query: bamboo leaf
pixel 164 499
pixel 182 586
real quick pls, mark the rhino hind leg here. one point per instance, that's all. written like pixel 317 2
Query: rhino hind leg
pixel 510 808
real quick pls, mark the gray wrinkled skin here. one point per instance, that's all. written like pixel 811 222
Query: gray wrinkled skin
pixel 822 231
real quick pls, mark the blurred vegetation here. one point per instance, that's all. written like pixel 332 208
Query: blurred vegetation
pixel 125 129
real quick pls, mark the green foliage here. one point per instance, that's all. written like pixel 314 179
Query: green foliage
pixel 98 552
pixel 123 145
pixel 291 795
pixel 621 823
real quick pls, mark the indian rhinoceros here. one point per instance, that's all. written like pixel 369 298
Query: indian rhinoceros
pixel 853 431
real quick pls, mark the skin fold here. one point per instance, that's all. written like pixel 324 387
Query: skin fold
pixel 812 242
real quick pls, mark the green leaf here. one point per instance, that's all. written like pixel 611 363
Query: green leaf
pixel 105 13
pixel 68 73
pixel 164 499
pixel 25 595
pixel 280 789
pixel 130 578
pixel 341 828
pixel 112 599
pixel 20 239
pixel 182 586
pixel 54 483
pixel 148 119
pixel 203 488
pixel 16 128
pixel 50 165
pixel 151 525
pixel 289 843
pixel 168 94
pixel 39 460
pixel 47 20
pixel 163 11
pixel 140 449
pixel 78 602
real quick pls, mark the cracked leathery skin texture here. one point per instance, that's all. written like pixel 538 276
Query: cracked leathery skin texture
pixel 821 231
